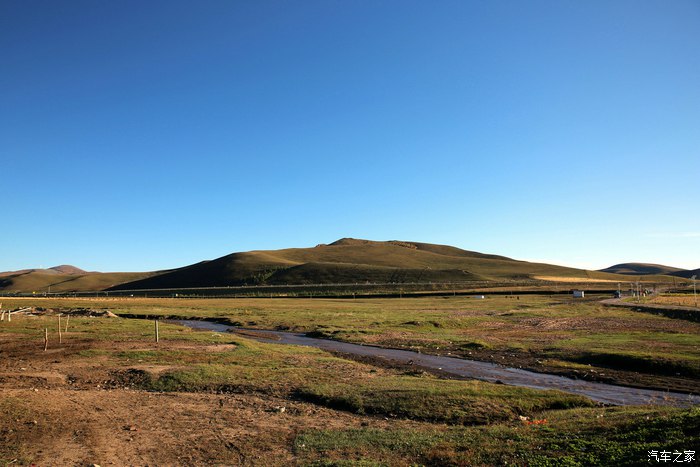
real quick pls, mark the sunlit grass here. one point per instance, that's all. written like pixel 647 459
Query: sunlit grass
pixel 556 327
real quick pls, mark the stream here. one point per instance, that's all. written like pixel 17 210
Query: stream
pixel 600 392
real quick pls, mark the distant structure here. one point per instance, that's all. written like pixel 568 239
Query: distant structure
pixel 579 294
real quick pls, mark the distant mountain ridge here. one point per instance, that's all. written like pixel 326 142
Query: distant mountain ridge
pixel 63 278
pixel 61 269
pixel 642 269
pixel 68 269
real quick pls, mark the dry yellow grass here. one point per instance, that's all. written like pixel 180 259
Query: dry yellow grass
pixel 678 300
pixel 570 279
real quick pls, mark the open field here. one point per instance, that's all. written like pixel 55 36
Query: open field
pixel 110 394
pixel 553 334
pixel 688 300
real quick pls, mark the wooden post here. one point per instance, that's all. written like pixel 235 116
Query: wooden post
pixel 9 315
pixel 46 339
pixel 2 315
pixel 67 319
pixel 60 337
pixel 156 328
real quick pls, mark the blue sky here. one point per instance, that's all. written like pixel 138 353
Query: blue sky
pixel 145 135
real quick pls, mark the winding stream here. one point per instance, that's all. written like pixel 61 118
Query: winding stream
pixel 601 392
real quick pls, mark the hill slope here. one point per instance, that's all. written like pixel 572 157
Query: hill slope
pixel 50 280
pixel 356 261
pixel 62 269
pixel 643 269
pixel 346 261
pixel 688 273
pixel 637 269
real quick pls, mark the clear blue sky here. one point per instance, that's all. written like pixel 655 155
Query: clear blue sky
pixel 138 135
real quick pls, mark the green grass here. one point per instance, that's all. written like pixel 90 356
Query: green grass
pixel 580 437
pixel 435 400
pixel 430 421
pixel 540 326
pixel 195 361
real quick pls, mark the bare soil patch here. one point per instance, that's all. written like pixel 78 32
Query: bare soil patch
pixel 75 408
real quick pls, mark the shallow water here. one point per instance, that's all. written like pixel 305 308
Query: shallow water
pixel 600 392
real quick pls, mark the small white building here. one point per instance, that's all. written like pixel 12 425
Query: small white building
pixel 579 294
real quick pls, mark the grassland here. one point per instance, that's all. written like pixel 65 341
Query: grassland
pixel 545 333
pixel 110 393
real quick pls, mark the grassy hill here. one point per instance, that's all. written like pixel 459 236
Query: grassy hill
pixel 643 269
pixel 358 261
pixel 44 280
pixel 346 261
pixel 637 269
pixel 688 273
pixel 56 270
